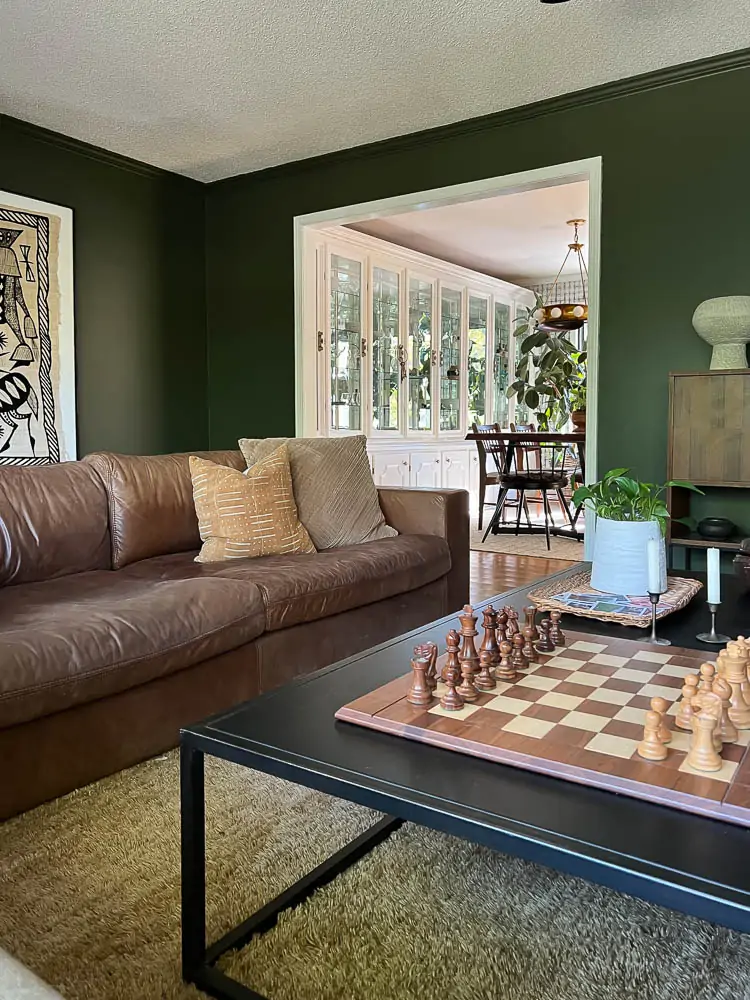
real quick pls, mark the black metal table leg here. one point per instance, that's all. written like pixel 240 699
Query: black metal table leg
pixel 193 861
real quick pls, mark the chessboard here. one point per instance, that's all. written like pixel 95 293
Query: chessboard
pixel 577 713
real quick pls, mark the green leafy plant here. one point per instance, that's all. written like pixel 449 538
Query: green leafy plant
pixel 618 497
pixel 550 373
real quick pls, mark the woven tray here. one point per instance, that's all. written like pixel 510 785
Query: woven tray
pixel 575 596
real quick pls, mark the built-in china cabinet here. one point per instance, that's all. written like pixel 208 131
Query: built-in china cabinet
pixel 407 349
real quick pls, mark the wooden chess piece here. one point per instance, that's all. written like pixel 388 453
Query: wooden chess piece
pixel 489 641
pixel 702 754
pixel 707 701
pixel 556 634
pixel 502 626
pixel 452 643
pixel 419 692
pixel 708 672
pixel 429 650
pixel 505 671
pixel 545 644
pixel 651 746
pixel 735 673
pixel 517 658
pixel 467 688
pixel 727 729
pixel 721 662
pixel 484 680
pixel 452 700
pixel 468 652
pixel 512 628
pixel 661 705
pixel 737 653
pixel 530 613
pixel 528 646
pixel 684 717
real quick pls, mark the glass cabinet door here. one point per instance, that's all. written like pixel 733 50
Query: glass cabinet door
pixel 500 364
pixel 346 343
pixel 420 355
pixel 450 360
pixel 477 370
pixel 388 358
pixel 522 415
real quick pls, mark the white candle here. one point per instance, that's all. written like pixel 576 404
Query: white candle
pixel 714 576
pixel 654 566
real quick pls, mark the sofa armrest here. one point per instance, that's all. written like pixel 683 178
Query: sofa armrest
pixel 434 512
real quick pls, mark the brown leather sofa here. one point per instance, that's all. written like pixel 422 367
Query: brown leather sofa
pixel 112 637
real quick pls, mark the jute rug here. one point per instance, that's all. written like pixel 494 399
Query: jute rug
pixel 525 545
pixel 89 900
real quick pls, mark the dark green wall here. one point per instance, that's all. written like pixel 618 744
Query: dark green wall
pixel 139 289
pixel 675 230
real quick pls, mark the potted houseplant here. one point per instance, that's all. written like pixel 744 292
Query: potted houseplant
pixel 628 514
pixel 550 375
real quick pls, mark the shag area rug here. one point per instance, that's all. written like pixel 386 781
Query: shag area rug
pixel 525 545
pixel 89 900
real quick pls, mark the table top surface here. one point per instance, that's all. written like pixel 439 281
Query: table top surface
pixel 571 437
pixel 292 732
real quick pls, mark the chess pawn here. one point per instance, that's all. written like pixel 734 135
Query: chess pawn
pixel 684 718
pixel 466 688
pixel 484 681
pixel 735 673
pixel 489 641
pixel 702 755
pixel 468 652
pixel 651 746
pixel 517 658
pixel 530 613
pixel 505 671
pixel 528 646
pixel 452 642
pixel 419 692
pixel 545 644
pixel 727 729
pixel 556 634
pixel 708 672
pixel 451 700
pixel 661 705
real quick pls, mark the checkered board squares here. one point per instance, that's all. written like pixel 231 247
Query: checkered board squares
pixel 578 714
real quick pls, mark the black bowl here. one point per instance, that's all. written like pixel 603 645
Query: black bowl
pixel 715 527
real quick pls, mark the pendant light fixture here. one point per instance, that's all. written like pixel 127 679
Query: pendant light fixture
pixel 556 315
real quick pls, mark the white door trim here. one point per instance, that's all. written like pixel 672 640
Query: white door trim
pixel 561 173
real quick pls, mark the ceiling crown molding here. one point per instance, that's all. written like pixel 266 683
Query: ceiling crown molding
pixel 87 149
pixel 683 73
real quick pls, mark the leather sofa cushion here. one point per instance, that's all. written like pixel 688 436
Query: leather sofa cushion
pixel 53 522
pixel 151 509
pixel 303 588
pixel 73 640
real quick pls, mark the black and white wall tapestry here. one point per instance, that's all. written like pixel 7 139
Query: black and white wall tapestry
pixel 37 361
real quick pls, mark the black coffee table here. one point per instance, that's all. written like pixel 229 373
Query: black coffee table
pixel 686 862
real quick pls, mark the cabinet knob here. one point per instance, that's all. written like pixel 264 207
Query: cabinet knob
pixel 404 462
pixel 437 460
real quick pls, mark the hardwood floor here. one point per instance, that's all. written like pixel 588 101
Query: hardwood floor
pixel 495 572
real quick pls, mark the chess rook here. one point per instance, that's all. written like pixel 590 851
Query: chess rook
pixel 419 692
pixel 702 754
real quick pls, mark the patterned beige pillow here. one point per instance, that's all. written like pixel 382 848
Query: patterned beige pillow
pixel 246 514
pixel 333 486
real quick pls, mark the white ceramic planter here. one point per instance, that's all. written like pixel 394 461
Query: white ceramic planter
pixel 620 564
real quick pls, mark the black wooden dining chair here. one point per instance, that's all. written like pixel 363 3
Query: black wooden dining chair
pixel 487 476
pixel 532 467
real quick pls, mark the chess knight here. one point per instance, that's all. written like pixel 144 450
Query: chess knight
pixel 12 300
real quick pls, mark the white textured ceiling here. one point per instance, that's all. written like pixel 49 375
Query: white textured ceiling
pixel 520 237
pixel 212 88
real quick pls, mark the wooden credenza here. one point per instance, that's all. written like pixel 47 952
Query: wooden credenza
pixel 709 441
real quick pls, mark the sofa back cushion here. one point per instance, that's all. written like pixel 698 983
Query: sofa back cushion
pixel 53 522
pixel 151 509
pixel 333 487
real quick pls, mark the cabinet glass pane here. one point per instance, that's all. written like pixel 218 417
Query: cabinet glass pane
pixel 386 368
pixel 500 363
pixel 450 360
pixel 477 374
pixel 420 355
pixel 346 344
